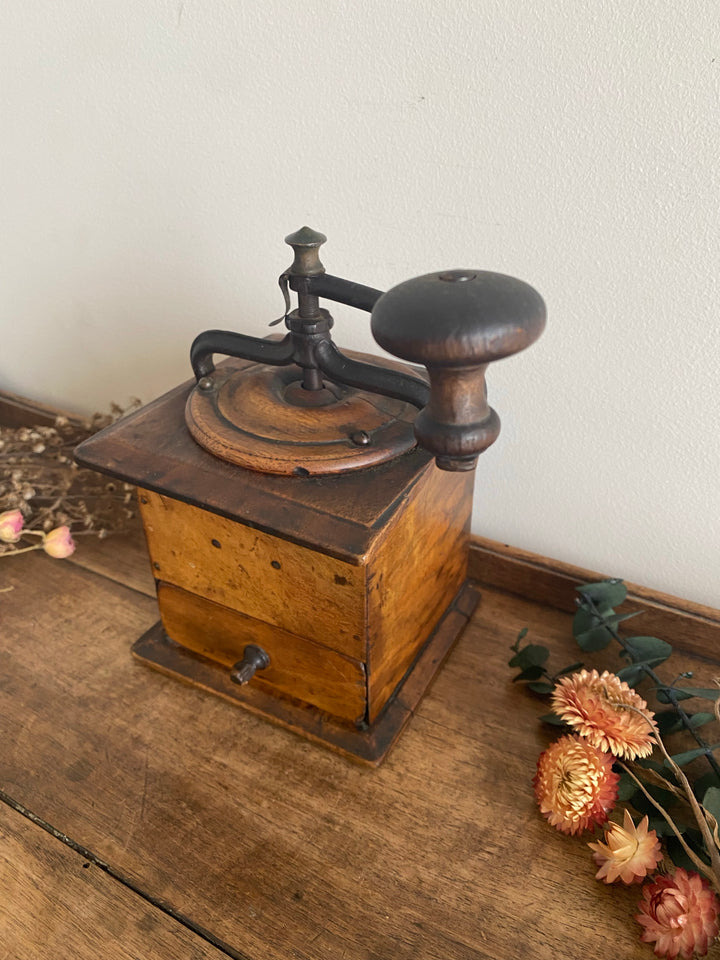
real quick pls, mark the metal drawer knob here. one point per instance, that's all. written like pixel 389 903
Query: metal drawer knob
pixel 254 658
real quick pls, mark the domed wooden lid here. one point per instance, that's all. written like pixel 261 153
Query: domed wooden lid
pixel 260 417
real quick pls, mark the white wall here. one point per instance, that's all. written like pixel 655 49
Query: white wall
pixel 154 153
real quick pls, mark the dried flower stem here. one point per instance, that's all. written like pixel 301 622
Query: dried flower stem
pixel 702 867
pixel 713 873
pixel 15 553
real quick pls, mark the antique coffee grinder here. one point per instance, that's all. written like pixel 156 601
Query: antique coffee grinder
pixel 307 511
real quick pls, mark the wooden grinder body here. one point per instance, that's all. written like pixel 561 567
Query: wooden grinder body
pixel 354 585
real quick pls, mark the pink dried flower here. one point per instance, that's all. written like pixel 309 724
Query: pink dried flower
pixel 11 524
pixel 629 853
pixel 679 914
pixel 58 543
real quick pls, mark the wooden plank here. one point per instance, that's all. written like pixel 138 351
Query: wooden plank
pixel 56 903
pixel 17 411
pixel 689 626
pixel 283 850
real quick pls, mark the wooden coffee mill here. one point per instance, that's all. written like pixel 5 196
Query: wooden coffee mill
pixel 307 512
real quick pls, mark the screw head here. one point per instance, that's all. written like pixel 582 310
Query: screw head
pixel 205 383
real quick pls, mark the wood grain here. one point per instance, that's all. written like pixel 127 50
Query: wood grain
pixel 284 850
pixel 414 571
pixel 304 592
pixel 298 667
pixel 56 903
pixel 260 417
pixel 17 411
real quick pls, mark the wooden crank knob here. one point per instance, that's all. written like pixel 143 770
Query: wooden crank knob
pixel 455 323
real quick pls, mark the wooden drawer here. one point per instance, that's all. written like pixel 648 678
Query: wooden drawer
pixel 298 667
pixel 302 591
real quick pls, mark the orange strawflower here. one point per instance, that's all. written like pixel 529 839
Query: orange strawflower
pixel 679 914
pixel 575 785
pixel 629 853
pixel 594 704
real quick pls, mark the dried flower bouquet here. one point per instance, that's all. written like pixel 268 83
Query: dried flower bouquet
pixel 45 498
pixel 614 752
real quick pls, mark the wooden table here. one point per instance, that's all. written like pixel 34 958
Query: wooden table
pixel 144 819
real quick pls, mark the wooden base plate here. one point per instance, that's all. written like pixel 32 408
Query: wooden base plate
pixel 368 745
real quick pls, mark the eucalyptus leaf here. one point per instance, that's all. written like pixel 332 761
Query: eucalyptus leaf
pixel 663 694
pixel 627 788
pixel 553 719
pixel 593 632
pixel 704 782
pixel 667 720
pixel 588 633
pixel 711 801
pixel 700 719
pixel 684 693
pixel 643 805
pixel 590 619
pixel 533 655
pixel 605 594
pixel 689 755
pixel 661 827
pixel 572 668
pixel 648 763
pixel 541 686
pixel 632 674
pixel 533 672
pixel 705 693
pixel 583 620
pixel 677 853
pixel 523 633
pixel 617 618
pixel 645 649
